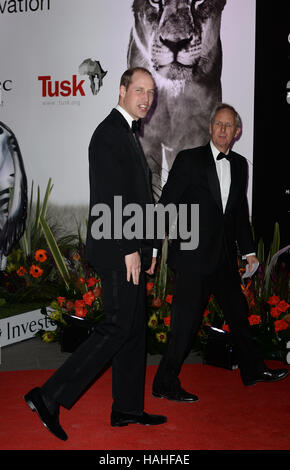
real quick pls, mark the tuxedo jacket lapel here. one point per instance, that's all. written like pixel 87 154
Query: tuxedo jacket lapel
pixel 138 156
pixel 234 187
pixel 142 161
pixel 212 178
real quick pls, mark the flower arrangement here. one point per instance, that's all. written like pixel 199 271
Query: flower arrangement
pixel 25 273
pixel 268 299
pixel 31 265
pixel 82 301
pixel 80 295
pixel 267 294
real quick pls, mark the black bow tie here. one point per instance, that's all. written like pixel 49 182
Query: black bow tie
pixel 223 155
pixel 136 126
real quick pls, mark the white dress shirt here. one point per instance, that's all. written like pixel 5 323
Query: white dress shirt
pixel 126 115
pixel 223 168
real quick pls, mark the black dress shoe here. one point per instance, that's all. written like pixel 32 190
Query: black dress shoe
pixel 123 419
pixel 176 395
pixel 268 375
pixel 36 401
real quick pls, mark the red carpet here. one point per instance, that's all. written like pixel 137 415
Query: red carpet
pixel 228 416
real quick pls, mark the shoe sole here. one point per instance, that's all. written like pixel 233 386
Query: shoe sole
pixel 159 395
pixel 135 422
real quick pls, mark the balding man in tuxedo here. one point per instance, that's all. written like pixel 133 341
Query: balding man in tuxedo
pixel 214 177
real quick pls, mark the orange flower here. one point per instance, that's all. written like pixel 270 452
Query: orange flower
pixel 21 271
pixel 89 298
pixel 166 320
pixel 149 286
pixel 168 298
pixel 61 300
pixel 80 312
pixel 282 306
pixel 36 271
pixel 226 328
pixel 280 325
pixel 79 304
pixel 206 312
pixel 254 319
pixel 274 300
pixel 76 257
pixel 40 255
pixel 274 312
pixel 91 281
pixel 82 280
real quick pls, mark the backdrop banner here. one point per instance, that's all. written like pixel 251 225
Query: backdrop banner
pixel 61 63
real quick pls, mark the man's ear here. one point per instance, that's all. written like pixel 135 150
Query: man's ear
pixel 122 91
pixel 238 131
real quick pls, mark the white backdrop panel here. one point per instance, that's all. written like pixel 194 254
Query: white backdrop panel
pixel 54 132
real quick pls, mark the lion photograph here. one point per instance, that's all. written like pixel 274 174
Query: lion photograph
pixel 179 42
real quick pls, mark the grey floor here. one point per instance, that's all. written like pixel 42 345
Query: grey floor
pixel 35 354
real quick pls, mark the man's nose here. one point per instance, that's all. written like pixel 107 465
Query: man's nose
pixel 148 97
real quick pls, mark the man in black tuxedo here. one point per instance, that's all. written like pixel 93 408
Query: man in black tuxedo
pixel 117 167
pixel 215 178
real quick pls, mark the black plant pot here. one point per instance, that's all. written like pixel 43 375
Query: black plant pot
pixel 74 333
pixel 218 349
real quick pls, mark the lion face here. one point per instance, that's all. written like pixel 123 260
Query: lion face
pixel 177 37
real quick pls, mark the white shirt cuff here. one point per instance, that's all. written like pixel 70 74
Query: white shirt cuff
pixel 249 254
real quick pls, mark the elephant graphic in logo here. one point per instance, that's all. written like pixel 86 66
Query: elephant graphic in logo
pixel 94 70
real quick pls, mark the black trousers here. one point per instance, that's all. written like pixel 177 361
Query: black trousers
pixel 191 295
pixel 120 338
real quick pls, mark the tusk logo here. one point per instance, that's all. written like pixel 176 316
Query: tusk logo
pixel 74 87
pixel 61 88
pixel 94 70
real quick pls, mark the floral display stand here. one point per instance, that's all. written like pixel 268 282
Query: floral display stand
pixel 51 270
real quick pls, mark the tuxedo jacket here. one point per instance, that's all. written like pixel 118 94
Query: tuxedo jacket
pixel 116 169
pixel 193 179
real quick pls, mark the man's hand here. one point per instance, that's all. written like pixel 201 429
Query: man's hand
pixel 133 265
pixel 152 267
pixel 251 260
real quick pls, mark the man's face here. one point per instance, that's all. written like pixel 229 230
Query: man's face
pixel 138 98
pixel 223 129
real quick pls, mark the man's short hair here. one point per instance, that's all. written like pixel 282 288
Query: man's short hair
pixel 127 76
pixel 221 106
